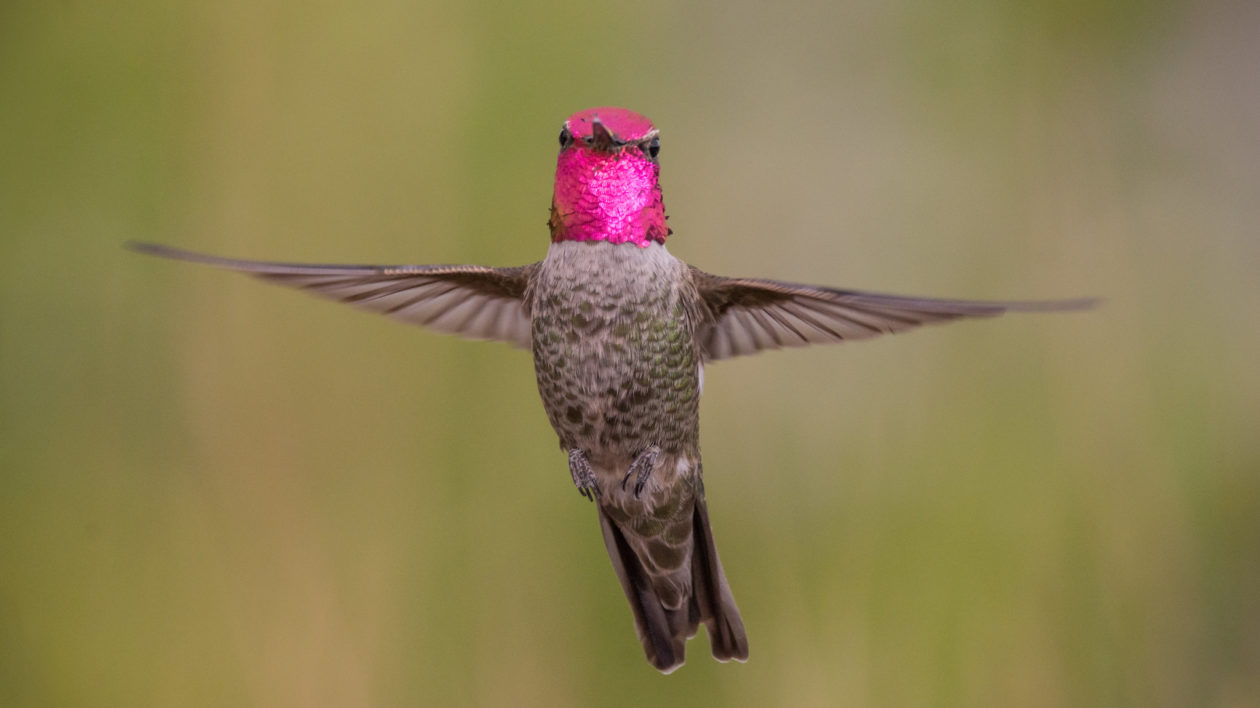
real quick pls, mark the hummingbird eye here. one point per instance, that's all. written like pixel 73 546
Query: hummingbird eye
pixel 566 138
pixel 651 148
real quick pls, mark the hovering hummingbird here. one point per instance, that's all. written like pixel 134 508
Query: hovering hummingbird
pixel 620 332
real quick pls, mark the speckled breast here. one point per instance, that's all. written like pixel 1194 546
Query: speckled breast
pixel 617 365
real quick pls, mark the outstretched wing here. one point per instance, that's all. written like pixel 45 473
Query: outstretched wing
pixel 469 300
pixel 752 315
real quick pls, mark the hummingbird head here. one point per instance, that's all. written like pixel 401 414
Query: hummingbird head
pixel 607 180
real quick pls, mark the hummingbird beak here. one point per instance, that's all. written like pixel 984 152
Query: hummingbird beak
pixel 601 139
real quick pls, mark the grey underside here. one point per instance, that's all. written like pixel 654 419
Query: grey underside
pixel 618 372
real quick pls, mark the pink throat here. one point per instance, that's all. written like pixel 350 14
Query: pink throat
pixel 607 197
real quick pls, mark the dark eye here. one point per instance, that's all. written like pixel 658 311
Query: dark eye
pixel 566 138
pixel 651 148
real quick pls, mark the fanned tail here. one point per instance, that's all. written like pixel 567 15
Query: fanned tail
pixel 664 632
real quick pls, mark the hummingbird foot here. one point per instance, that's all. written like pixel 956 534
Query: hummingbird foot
pixel 642 466
pixel 583 475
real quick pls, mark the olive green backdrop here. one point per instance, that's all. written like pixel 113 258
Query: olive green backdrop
pixel 214 492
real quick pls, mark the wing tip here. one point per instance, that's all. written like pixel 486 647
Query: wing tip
pixel 262 268
pixel 1070 305
pixel 149 248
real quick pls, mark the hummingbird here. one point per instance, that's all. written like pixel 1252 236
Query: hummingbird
pixel 620 331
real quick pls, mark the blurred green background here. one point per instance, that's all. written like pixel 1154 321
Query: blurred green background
pixel 215 492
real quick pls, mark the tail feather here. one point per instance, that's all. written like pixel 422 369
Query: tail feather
pixel 662 631
pixel 655 630
pixel 713 595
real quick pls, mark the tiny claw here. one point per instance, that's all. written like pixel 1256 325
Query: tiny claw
pixel 642 466
pixel 583 475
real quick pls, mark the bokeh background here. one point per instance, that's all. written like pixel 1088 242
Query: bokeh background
pixel 215 492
